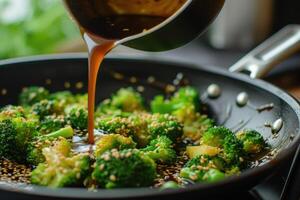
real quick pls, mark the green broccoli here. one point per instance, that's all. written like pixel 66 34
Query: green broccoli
pixel 142 127
pixel 194 123
pixel 35 148
pixel 126 168
pixel 185 106
pixel 15 135
pixel 51 123
pixel 216 136
pixel 202 169
pixel 62 99
pixel 45 108
pixel 161 150
pixel 184 96
pixel 81 99
pixel 126 125
pixel 221 137
pixel 65 96
pixel 61 168
pixel 77 115
pixel 164 124
pixel 125 100
pixel 115 124
pixel 253 141
pixel 32 95
pixel 11 111
pixel 113 141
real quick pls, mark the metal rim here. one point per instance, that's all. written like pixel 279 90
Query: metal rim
pixel 147 192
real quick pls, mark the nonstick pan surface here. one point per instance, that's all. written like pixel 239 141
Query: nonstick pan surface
pixel 57 72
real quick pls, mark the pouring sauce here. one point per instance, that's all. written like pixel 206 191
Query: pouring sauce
pixel 104 22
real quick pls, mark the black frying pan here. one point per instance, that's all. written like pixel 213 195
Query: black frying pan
pixel 15 74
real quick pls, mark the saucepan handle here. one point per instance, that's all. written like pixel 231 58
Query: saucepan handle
pixel 271 52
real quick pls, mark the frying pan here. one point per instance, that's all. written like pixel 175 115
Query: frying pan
pixel 71 69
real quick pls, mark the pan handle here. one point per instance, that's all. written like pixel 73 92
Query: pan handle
pixel 271 52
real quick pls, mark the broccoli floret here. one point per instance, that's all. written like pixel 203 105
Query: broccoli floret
pixel 142 127
pixel 61 168
pixel 126 168
pixel 32 95
pixel 35 148
pixel 15 135
pixel 185 106
pixel 161 150
pixel 183 97
pixel 215 136
pixel 126 125
pixel 194 123
pixel 164 124
pixel 77 116
pixel 44 108
pixel 202 169
pixel 81 99
pixel 10 111
pixel 51 123
pixel 63 99
pixel 125 100
pixel 115 124
pixel 223 138
pixel 113 141
pixel 253 141
pixel 65 96
pixel 233 151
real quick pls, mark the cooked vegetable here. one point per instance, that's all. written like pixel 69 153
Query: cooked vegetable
pixel 113 141
pixel 134 147
pixel 202 169
pixel 51 123
pixel 35 148
pixel 15 135
pixel 126 168
pixel 32 95
pixel 45 108
pixel 125 100
pixel 161 150
pixel 62 168
pixel 142 127
pixel 185 106
pixel 221 137
pixel 253 141
pixel 77 115
pixel 10 111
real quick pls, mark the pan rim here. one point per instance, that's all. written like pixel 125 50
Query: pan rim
pixel 148 192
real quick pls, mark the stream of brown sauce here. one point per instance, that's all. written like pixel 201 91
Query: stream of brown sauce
pixel 96 56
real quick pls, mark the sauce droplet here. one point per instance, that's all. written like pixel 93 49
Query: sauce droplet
pixel 242 99
pixel 277 125
pixel 214 91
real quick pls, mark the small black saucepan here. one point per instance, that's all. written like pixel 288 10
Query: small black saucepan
pixel 56 72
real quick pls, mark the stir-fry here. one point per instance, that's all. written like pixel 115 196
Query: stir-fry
pixel 168 143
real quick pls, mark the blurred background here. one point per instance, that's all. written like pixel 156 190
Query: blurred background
pixel 32 27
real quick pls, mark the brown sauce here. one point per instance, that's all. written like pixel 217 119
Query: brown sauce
pixel 96 56
pixel 107 21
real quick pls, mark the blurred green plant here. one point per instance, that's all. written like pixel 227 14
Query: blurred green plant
pixel 43 27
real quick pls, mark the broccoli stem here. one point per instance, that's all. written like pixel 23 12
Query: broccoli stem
pixel 66 132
